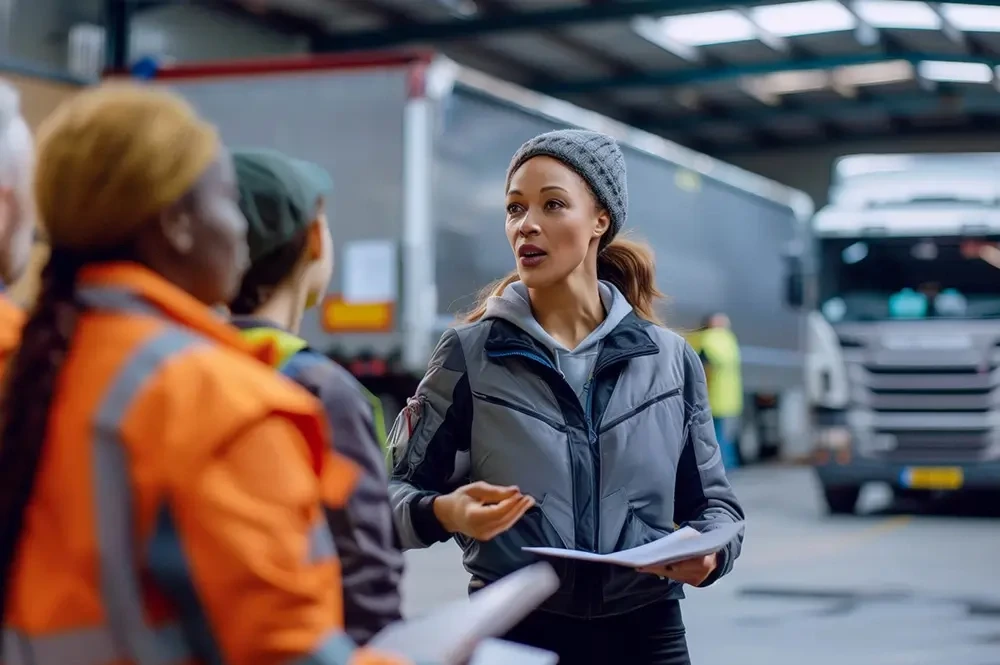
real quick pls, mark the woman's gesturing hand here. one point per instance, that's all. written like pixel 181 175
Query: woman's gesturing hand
pixel 480 510
pixel 690 571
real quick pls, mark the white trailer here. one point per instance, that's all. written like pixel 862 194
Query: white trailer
pixel 418 147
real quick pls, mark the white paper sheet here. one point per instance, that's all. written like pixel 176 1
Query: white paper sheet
pixel 369 271
pixel 682 544
pixel 502 652
pixel 450 635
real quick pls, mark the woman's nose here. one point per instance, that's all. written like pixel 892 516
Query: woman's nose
pixel 528 227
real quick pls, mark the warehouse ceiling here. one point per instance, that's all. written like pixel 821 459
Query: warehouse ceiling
pixel 718 77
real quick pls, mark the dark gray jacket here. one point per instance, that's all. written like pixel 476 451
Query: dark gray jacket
pixel 614 460
pixel 366 540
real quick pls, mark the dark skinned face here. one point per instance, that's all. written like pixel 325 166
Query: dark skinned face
pixel 200 243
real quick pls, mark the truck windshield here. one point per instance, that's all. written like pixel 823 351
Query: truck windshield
pixel 878 279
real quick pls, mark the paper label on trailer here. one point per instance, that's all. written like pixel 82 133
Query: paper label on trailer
pixel 369 271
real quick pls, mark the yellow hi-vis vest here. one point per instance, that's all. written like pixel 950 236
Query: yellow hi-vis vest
pixel 288 345
pixel 725 379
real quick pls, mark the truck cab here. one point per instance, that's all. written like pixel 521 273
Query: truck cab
pixel 903 343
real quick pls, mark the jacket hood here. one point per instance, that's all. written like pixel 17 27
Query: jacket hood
pixel 514 306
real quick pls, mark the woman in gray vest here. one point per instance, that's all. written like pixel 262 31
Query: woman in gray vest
pixel 563 414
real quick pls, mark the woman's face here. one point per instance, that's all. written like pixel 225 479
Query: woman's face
pixel 213 235
pixel 553 222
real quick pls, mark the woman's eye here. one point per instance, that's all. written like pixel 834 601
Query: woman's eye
pixel 553 204
pixel 513 208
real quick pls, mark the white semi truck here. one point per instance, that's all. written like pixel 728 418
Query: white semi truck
pixel 901 285
pixel 418 147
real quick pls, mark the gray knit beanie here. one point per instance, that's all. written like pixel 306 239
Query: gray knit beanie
pixel 598 160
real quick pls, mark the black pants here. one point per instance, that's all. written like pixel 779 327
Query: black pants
pixel 651 635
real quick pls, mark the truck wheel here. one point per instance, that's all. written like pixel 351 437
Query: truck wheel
pixel 841 500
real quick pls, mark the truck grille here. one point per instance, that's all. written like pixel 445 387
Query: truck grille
pixel 928 414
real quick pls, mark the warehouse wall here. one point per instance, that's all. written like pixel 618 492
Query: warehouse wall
pixel 40 28
pixel 808 169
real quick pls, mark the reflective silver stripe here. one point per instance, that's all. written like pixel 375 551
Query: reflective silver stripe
pixel 336 649
pixel 115 299
pixel 321 546
pixel 113 509
pixel 88 646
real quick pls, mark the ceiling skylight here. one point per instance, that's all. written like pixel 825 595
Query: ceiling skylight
pixel 898 14
pixel 955 72
pixel 804 18
pixel 972 18
pixel 706 28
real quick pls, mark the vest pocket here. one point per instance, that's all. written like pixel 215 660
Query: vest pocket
pixel 631 413
pixel 636 532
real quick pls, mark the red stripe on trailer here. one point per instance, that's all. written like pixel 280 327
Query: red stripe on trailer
pixel 286 65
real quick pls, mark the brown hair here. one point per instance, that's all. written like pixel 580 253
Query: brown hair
pixel 626 263
pixel 267 273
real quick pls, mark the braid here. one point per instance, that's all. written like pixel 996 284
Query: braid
pixel 32 374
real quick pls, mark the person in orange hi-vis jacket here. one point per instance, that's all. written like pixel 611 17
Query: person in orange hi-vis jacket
pixel 159 486
pixel 16 211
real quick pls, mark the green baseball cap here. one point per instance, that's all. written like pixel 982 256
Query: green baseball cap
pixel 279 196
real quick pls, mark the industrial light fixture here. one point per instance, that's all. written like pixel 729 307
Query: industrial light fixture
pixel 904 14
pixel 875 73
pixel 707 28
pixel 804 18
pixel 972 18
pixel 955 72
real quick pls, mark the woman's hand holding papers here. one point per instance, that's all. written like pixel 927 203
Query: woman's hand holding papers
pixel 690 571
pixel 480 510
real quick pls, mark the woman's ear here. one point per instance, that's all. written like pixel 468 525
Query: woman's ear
pixel 603 223
pixel 314 242
pixel 178 230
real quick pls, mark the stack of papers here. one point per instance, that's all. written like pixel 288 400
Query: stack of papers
pixel 686 543
pixel 450 636
pixel 501 652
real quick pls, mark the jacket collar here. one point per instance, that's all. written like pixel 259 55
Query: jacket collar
pixel 173 303
pixel 628 339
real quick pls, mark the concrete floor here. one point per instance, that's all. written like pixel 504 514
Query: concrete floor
pixel 889 587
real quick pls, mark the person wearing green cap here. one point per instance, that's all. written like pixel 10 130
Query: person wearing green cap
pixel 291 264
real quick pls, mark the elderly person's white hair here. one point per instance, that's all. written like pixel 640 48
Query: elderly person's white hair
pixel 16 146
pixel 17 163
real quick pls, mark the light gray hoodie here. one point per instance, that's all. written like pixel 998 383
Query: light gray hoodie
pixel 577 365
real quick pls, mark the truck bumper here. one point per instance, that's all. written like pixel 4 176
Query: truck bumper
pixel 937 477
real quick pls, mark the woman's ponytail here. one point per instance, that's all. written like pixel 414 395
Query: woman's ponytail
pixel 495 289
pixel 32 375
pixel 631 267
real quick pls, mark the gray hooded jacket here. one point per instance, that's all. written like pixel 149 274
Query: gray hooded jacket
pixel 613 439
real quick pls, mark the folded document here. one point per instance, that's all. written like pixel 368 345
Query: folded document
pixel 501 652
pixel 450 635
pixel 686 543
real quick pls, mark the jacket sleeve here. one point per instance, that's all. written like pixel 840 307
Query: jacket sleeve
pixel 363 529
pixel 260 555
pixel 703 496
pixel 427 442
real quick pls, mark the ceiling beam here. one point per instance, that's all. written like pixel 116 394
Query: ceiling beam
pixel 695 76
pixel 984 127
pixel 906 104
pixel 539 19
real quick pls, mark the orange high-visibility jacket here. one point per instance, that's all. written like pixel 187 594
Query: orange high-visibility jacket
pixel 176 515
pixel 11 321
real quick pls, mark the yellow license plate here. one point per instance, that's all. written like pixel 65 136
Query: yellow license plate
pixel 933 478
